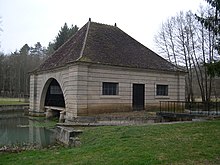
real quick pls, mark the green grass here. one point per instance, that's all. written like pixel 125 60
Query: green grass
pixel 11 101
pixel 185 143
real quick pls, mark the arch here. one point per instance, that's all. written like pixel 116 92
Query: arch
pixel 52 95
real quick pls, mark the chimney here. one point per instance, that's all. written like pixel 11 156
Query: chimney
pixel 115 25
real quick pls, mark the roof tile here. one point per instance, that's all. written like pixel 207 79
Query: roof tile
pixel 107 45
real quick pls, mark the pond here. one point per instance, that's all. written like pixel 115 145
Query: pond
pixel 18 129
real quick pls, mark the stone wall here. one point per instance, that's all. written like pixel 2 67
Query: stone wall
pixel 67 79
pixel 91 100
pixel 81 84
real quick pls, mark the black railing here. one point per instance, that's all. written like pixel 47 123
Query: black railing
pixel 205 108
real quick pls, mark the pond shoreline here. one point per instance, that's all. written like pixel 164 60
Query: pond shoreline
pixel 16 107
pixel 16 148
pixel 19 148
pixel 19 132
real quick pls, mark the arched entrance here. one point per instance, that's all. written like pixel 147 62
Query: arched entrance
pixel 54 95
pixel 52 99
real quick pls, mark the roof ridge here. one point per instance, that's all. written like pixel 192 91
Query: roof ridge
pixel 84 42
pixel 115 25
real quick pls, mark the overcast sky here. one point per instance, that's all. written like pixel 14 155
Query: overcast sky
pixel 32 21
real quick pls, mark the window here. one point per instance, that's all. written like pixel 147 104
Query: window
pixel 162 90
pixel 109 88
pixel 55 90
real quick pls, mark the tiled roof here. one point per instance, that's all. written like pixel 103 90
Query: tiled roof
pixel 108 45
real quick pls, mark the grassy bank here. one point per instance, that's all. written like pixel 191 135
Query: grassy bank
pixel 11 101
pixel 185 143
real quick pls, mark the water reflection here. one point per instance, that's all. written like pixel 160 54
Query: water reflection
pixel 17 129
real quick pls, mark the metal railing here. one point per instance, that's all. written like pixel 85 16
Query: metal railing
pixel 204 108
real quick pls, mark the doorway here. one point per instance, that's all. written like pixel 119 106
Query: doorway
pixel 138 97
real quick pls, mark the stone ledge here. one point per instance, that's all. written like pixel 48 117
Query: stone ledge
pixel 68 136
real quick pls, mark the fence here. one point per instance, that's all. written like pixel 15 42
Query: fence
pixel 205 108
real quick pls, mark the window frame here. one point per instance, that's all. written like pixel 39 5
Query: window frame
pixel 162 92
pixel 110 88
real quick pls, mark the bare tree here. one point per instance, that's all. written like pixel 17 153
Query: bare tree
pixel 15 68
pixel 184 41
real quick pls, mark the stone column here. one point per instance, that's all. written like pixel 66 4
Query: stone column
pixel 49 113
pixel 62 119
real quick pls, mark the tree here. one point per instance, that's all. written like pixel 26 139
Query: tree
pixel 64 34
pixel 212 23
pixel 214 69
pixel 50 48
pixel 15 68
pixel 37 54
pixel 23 66
pixel 186 42
pixel 1 70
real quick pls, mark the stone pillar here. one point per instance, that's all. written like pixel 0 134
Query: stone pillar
pixel 62 119
pixel 32 93
pixel 49 113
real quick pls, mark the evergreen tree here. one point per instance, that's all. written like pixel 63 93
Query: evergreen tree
pixel 38 51
pixel 61 37
pixel 50 48
pixel 73 30
pixel 23 69
pixel 64 34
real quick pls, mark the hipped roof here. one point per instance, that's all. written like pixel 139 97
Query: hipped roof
pixel 108 45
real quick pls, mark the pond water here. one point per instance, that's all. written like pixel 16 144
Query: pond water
pixel 18 129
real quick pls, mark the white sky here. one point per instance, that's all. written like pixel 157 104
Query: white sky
pixel 32 21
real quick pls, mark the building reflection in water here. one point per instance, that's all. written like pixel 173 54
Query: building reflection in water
pixel 17 129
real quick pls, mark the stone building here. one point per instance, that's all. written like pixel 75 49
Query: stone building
pixel 102 69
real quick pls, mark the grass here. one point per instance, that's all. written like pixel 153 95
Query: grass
pixel 183 143
pixel 11 101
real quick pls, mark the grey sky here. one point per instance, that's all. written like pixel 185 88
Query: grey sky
pixel 31 21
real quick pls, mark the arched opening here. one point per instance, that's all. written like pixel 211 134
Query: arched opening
pixel 54 95
pixel 52 99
